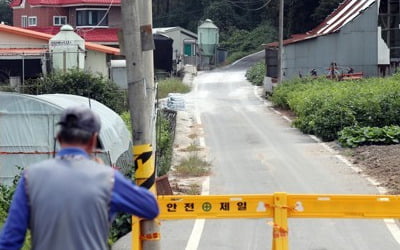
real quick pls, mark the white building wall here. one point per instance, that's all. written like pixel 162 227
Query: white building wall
pixel 17 41
pixel 96 62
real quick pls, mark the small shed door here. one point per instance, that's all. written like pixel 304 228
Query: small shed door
pixel 188 49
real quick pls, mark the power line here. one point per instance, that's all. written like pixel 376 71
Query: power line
pixel 250 9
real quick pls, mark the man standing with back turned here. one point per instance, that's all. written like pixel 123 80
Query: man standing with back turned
pixel 68 202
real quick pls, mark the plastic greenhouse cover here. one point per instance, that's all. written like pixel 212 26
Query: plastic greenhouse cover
pixel 28 128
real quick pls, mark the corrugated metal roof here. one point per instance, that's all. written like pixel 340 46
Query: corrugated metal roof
pixel 345 13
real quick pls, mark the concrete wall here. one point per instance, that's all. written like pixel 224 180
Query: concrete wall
pixel 96 63
pixel 355 45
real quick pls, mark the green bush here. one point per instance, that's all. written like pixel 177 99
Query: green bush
pixel 126 117
pixel 240 43
pixel 172 85
pixel 255 74
pixel 324 107
pixel 6 195
pixel 165 139
pixel 357 136
pixel 78 82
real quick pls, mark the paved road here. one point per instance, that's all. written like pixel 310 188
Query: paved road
pixel 254 150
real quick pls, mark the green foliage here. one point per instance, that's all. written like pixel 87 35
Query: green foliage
pixel 172 85
pixel 324 8
pixel 120 227
pixel 241 42
pixel 255 74
pixel 77 82
pixel 235 56
pixel 222 14
pixel 6 12
pixel 357 136
pixel 126 117
pixel 164 144
pixel 6 195
pixel 324 107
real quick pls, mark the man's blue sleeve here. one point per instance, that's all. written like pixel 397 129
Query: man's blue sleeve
pixel 129 198
pixel 12 235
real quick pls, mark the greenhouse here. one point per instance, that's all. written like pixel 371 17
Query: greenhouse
pixel 28 130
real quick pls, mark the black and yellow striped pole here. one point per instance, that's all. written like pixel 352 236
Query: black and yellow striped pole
pixel 145 176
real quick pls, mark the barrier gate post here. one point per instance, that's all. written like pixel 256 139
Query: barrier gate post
pixel 280 226
pixel 145 234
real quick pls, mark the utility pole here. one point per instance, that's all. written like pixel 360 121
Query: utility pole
pixel 141 101
pixel 280 52
pixel 146 20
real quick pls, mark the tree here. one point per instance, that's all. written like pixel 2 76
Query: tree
pixel 222 14
pixel 5 12
pixel 324 9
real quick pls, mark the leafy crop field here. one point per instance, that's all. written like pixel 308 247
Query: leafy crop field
pixel 324 107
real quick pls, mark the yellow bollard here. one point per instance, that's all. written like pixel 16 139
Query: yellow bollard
pixel 145 176
pixel 280 227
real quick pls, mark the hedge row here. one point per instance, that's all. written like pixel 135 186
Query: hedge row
pixel 255 74
pixel 325 107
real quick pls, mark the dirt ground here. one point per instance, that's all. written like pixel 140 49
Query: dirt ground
pixel 380 162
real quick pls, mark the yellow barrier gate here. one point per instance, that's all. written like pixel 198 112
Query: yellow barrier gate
pixel 280 207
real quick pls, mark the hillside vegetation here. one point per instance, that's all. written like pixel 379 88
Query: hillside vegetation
pixel 365 109
pixel 244 25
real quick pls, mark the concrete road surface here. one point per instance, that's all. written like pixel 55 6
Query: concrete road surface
pixel 256 151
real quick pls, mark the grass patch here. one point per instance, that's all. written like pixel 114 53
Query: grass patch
pixel 192 136
pixel 194 189
pixel 193 165
pixel 192 148
pixel 172 85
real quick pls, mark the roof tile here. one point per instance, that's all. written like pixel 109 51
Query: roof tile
pixel 16 3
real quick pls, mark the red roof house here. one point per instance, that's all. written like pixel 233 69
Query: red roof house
pixel 94 20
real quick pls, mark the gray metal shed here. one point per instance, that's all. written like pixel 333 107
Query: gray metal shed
pixel 349 36
pixel 28 128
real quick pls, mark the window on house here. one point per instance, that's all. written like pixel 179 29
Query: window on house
pixel 91 17
pixel 59 20
pixel 24 21
pixel 32 21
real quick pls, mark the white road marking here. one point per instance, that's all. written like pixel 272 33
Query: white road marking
pixel 197 231
pixel 316 139
pixel 286 118
pixel 195 236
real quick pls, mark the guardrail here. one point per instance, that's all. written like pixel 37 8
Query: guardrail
pixel 280 207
